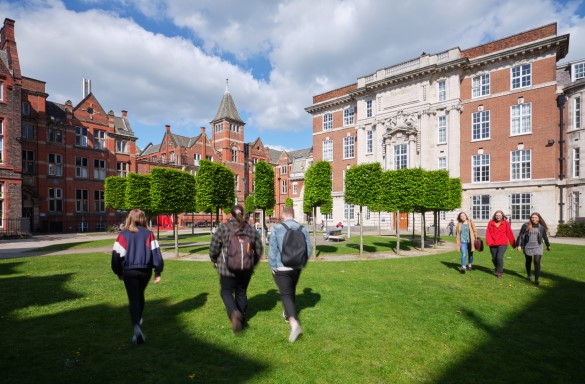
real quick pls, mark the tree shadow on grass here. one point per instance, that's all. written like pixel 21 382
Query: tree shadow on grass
pixel 541 343
pixel 7 269
pixel 480 268
pixel 92 345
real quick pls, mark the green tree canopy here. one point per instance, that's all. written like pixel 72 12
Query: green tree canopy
pixel 437 189
pixel 455 194
pixel 249 204
pixel 264 186
pixel 317 186
pixel 115 192
pixel 138 192
pixel 172 191
pixel 361 183
pixel 215 187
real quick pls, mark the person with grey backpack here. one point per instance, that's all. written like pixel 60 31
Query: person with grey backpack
pixel 290 247
pixel 235 249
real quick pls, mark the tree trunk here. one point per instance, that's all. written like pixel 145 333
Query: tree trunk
pixel 176 230
pixel 397 223
pixel 361 219
pixel 314 232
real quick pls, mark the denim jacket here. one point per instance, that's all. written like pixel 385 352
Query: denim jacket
pixel 276 238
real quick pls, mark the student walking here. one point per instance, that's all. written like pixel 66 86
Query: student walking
pixel 135 254
pixel 451 225
pixel 287 277
pixel 465 234
pixel 497 236
pixel 234 285
pixel 531 236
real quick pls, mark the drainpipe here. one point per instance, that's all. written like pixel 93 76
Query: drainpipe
pixel 561 99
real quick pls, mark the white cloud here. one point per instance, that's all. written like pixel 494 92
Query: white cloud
pixel 312 46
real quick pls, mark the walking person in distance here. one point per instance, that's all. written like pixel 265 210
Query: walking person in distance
pixel 136 253
pixel 531 238
pixel 497 236
pixel 288 255
pixel 465 234
pixel 235 249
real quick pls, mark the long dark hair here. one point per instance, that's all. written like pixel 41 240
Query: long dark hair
pixel 504 217
pixel 237 212
pixel 540 221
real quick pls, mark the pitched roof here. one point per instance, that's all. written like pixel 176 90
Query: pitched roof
pixel 122 126
pixel 227 109
pixel 273 155
pixel 150 148
pixel 305 152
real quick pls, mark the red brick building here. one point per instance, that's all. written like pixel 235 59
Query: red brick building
pixel 488 114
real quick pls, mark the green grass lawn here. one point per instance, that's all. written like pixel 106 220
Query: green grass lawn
pixel 64 319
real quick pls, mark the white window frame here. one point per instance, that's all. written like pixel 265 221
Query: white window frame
pixel 196 159
pixel 327 121
pixel 328 150
pixel 121 169
pixel 283 187
pixel 480 85
pixel 28 161
pixel 480 125
pixel 99 139
pixel 442 129
pixel 480 167
pixel 521 119
pixel 400 156
pixel 234 155
pixel 1 90
pixel 99 202
pixel 81 136
pixel 295 188
pixel 521 76
pixel 121 146
pixel 442 90
pixel 218 127
pixel 348 147
pixel 99 169
pixel 480 209
pixel 55 164
pixel 576 162
pixel 55 200
pixel 369 108
pixel 81 200
pixel 520 206
pixel 348 116
pixel 348 209
pixel 578 71
pixel 442 163
pixel 81 167
pixel 284 169
pixel 521 164
pixel 369 141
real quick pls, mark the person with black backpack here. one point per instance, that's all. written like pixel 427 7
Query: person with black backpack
pixel 235 249
pixel 290 247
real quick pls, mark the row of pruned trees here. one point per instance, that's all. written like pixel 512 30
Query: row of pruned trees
pixel 171 192
pixel 367 185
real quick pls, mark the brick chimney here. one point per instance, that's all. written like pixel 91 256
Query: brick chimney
pixel 203 130
pixel 168 127
pixel 8 43
pixel 124 113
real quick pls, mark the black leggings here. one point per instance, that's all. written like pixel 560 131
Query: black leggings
pixel 234 293
pixel 135 281
pixel 536 265
pixel 286 281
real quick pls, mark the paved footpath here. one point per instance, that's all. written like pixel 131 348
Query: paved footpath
pixel 25 247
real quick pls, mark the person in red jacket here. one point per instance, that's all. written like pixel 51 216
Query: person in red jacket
pixel 498 234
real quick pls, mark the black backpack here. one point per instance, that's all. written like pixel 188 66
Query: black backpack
pixel 239 255
pixel 294 247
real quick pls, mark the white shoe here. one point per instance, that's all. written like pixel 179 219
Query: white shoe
pixel 295 332
pixel 138 337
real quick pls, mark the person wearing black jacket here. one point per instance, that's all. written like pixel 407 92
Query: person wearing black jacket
pixel 530 239
pixel 136 252
pixel 234 286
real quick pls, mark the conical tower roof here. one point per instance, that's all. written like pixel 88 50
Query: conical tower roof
pixel 227 109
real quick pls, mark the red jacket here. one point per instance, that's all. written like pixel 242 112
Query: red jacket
pixel 501 235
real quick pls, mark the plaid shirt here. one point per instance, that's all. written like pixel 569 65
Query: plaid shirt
pixel 220 240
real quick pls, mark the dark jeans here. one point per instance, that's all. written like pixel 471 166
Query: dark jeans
pixel 286 281
pixel 233 292
pixel 536 265
pixel 498 257
pixel 135 281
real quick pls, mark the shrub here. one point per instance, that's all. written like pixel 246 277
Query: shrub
pixel 571 229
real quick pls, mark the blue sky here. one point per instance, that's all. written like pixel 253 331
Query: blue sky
pixel 166 61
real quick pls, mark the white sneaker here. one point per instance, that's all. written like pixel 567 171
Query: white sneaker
pixel 295 332
pixel 138 337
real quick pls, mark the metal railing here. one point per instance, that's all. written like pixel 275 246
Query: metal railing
pixel 15 227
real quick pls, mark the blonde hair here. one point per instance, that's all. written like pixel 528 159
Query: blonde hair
pixel 135 218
